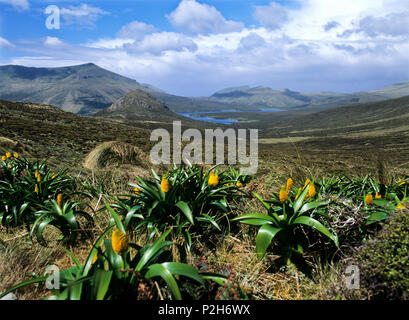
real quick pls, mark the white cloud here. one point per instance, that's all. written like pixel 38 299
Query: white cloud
pixel 106 43
pixel 4 43
pixel 393 24
pixel 135 30
pixel 304 54
pixel 196 18
pixel 272 16
pixel 252 41
pixel 19 4
pixel 157 43
pixel 81 15
pixel 52 42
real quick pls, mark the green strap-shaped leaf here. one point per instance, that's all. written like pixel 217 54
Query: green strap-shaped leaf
pixel 264 237
pixel 308 221
pixel 93 252
pixel 255 219
pixel 40 230
pixel 184 207
pixel 158 270
pixel 116 218
pixel 183 269
pixel 312 205
pixel 218 278
pixel 208 218
pixel 23 284
pixel 102 279
pixel 151 251
pixel 265 204
pixel 300 200
pixel 376 217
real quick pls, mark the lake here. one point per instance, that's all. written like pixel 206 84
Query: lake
pixel 193 115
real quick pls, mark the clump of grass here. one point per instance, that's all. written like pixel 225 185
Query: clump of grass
pixel 19 260
pixel 114 153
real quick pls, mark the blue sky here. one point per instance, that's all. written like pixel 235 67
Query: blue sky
pixel 196 47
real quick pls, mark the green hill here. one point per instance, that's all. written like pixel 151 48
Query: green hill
pixel 385 116
pixel 139 105
pixel 83 89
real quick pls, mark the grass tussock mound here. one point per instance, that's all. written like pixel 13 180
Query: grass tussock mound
pixel 7 144
pixel 115 154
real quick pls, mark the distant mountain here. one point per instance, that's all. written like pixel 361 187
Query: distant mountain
pixel 87 89
pixel 261 97
pixel 138 105
pixel 83 89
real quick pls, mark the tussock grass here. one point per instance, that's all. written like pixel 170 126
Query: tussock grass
pixel 113 154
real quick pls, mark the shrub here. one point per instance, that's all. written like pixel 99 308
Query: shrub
pixel 384 260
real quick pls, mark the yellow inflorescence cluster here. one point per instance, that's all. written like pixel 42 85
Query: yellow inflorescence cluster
pixel 8 157
pixel 119 242
pixel 286 189
pixel 213 179
pixel 164 185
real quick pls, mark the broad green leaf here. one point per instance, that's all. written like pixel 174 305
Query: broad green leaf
pixel 308 221
pixel 184 207
pixel 116 218
pixel 183 269
pixel 158 270
pixel 151 251
pixel 300 200
pixel 312 205
pixel 264 237
pixel 255 219
pixel 102 279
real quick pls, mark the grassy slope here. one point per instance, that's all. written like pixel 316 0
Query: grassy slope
pixel 67 138
pixel 62 136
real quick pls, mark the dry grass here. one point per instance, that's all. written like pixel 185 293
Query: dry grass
pixel 114 153
pixel 19 260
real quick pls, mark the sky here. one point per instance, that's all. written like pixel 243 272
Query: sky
pixel 197 47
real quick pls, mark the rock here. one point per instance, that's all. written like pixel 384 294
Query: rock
pixel 9 297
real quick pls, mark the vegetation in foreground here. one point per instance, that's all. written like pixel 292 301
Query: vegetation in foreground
pixel 177 234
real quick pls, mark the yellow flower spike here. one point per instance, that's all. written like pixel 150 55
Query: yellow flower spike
pixel 36 174
pixel 138 191
pixel 378 196
pixel 311 191
pixel 3 158
pixel 15 155
pixel 213 179
pixel 298 194
pixel 164 185
pixel 36 189
pixel 290 183
pixel 59 200
pixel 307 182
pixel 369 199
pixel 38 178
pixel 8 155
pixel 95 258
pixel 119 242
pixel 53 177
pixel 239 184
pixel 401 182
pixel 283 194
pixel 10 166
pixel 400 206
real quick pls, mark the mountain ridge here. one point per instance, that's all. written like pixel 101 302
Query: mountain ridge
pixel 87 89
